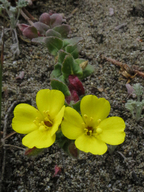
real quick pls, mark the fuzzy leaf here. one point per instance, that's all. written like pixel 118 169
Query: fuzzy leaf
pixel 88 71
pixel 45 18
pixel 41 27
pixel 70 67
pixel 38 40
pixel 52 32
pixel 63 30
pixel 53 44
pixel 61 55
pixel 73 50
pixel 56 72
pixel 58 85
pixel 72 41
pixel 55 19
pixel 79 61
pixel 30 32
pixel 22 26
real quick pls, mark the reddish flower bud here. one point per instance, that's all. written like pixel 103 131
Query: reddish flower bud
pixel 76 84
pixel 68 99
pixel 74 95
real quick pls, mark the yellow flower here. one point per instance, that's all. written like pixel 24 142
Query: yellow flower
pixel 40 125
pixel 93 130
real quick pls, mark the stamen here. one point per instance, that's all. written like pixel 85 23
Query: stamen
pixel 42 128
pixel 91 118
pixel 99 130
pixel 85 116
pixel 90 132
pixel 99 120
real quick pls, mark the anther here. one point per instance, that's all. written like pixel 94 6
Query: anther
pixel 99 120
pixel 85 116
pixel 99 130
pixel 42 128
pixel 91 118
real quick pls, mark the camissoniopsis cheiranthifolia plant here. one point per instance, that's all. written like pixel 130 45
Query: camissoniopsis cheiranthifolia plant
pixel 136 106
pixel 64 113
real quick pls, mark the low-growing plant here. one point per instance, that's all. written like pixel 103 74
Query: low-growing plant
pixel 136 106
pixel 65 114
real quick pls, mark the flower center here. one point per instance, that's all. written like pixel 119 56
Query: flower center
pixel 45 124
pixel 48 124
pixel 91 130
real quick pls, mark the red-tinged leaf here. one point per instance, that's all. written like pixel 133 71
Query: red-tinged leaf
pixel 55 19
pixel 41 27
pixel 30 32
pixel 29 151
pixel 33 151
pixel 45 18
pixel 22 26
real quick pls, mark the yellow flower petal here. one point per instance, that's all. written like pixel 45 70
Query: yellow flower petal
pixel 39 139
pixel 57 121
pixel 72 125
pixel 50 100
pixel 90 144
pixel 93 109
pixel 24 115
pixel 112 130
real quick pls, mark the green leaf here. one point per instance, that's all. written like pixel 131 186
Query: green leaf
pixel 53 33
pixel 69 67
pixel 61 56
pixel 53 44
pixel 73 50
pixel 38 40
pixel 88 71
pixel 79 61
pixel 58 85
pixel 57 71
pixel 63 30
pixel 72 41
pixel 68 64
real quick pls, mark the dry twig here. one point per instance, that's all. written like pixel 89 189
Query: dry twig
pixel 125 67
